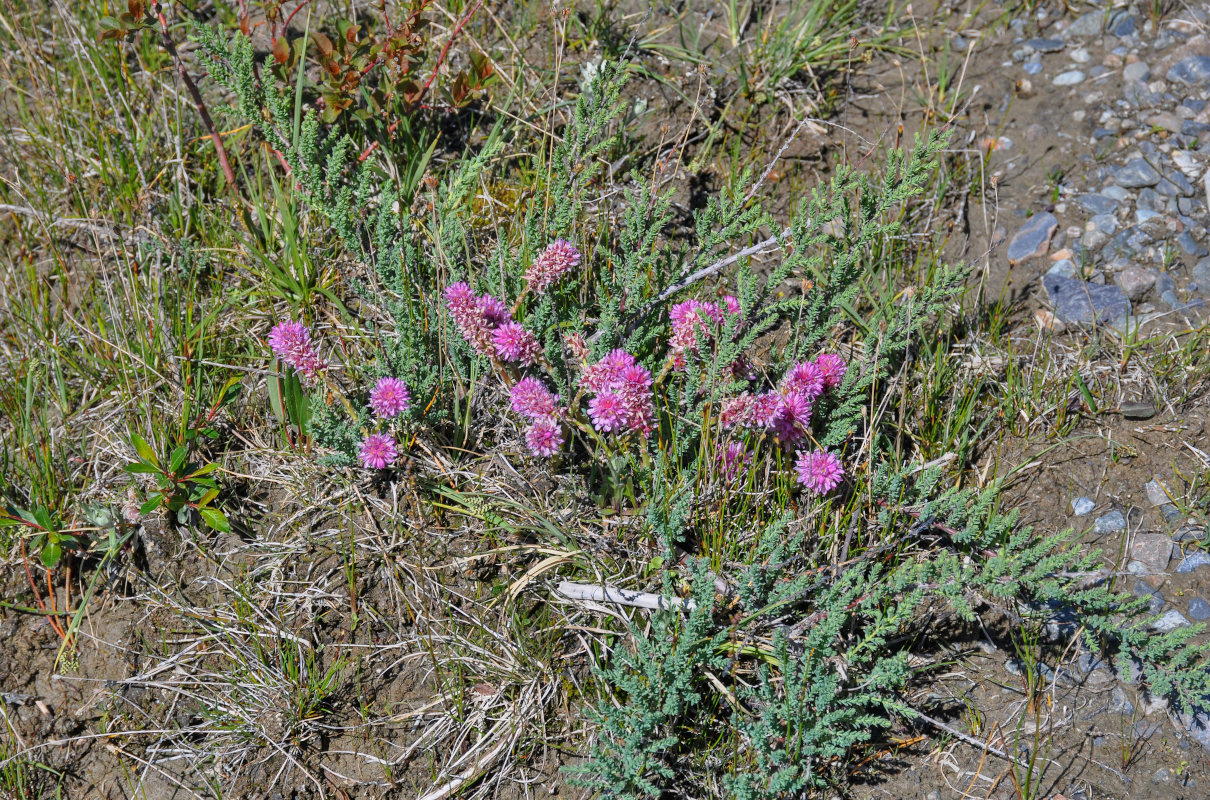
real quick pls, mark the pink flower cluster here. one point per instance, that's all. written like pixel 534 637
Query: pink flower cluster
pixel 819 471
pixel 532 400
pixel 693 319
pixel 554 262
pixel 291 343
pixel 487 324
pixel 390 398
pixel 623 401
pixel 786 411
pixel 377 451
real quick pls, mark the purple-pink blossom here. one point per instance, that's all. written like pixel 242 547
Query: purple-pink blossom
pixel 819 471
pixel 805 377
pixel 833 368
pixel 534 401
pixel 624 401
pixel 556 260
pixel 545 437
pixel 607 412
pixel 377 451
pixel 733 459
pixel 737 411
pixel 693 319
pixel 291 343
pixel 389 398
pixel 514 343
pixel 477 316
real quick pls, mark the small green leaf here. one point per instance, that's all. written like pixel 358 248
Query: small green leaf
pixel 139 466
pixel 144 450
pixel 206 470
pixel 151 505
pixel 215 519
pixel 178 459
pixel 51 554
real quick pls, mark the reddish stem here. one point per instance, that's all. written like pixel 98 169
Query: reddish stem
pixel 198 102
pixel 446 48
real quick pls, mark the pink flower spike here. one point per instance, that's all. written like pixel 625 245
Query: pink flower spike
pixel 732 460
pixel 390 398
pixel 532 400
pixel 737 411
pixel 545 437
pixel 833 369
pixel 805 377
pixel 514 343
pixel 494 311
pixel 559 257
pixel 377 451
pixel 603 375
pixel 291 343
pixel 819 471
pixel 607 412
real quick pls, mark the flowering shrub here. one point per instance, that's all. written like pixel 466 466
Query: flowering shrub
pixel 702 413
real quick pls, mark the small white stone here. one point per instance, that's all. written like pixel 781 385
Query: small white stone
pixel 1069 78
pixel 1080 55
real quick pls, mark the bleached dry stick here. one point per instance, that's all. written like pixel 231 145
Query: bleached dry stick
pixel 625 597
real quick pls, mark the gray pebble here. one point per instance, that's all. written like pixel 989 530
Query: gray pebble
pixel 1123 26
pixel 1077 301
pixel 1087 24
pixel 1105 223
pixel 1194 71
pixel 1097 204
pixel 1082 506
pixel 1138 71
pixel 1150 198
pixel 1193 561
pixel 1171 514
pixel 1136 281
pixel 1198 725
pixel 1170 621
pixel 1161 776
pixel 1033 239
pixel 1046 45
pixel 1115 193
pixel 1155 600
pixel 1135 174
pixel 1032 67
pixel 1155 491
pixel 1113 522
pixel 1190 246
pixel 1120 703
pixel 1064 268
pixel 1069 78
pixel 1199 609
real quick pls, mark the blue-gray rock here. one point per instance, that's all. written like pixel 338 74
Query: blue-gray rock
pixel 1193 561
pixel 1171 514
pixel 1155 600
pixel 1135 174
pixel 1164 283
pixel 1175 184
pixel 1127 243
pixel 1033 239
pixel 1198 725
pixel 1193 128
pixel 1201 272
pixel 1069 78
pixel 1113 522
pixel 1076 301
pixel 1161 776
pixel 1120 703
pixel 1097 204
pixel 1115 193
pixel 1171 300
pixel 1123 26
pixel 1138 71
pixel 1199 609
pixel 1087 662
pixel 1105 223
pixel 1141 215
pixel 1032 67
pixel 1046 45
pixel 1169 621
pixel 1102 133
pixel 1082 506
pixel 1089 24
pixel 1190 246
pixel 1150 198
pixel 1193 71
pixel 1064 268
